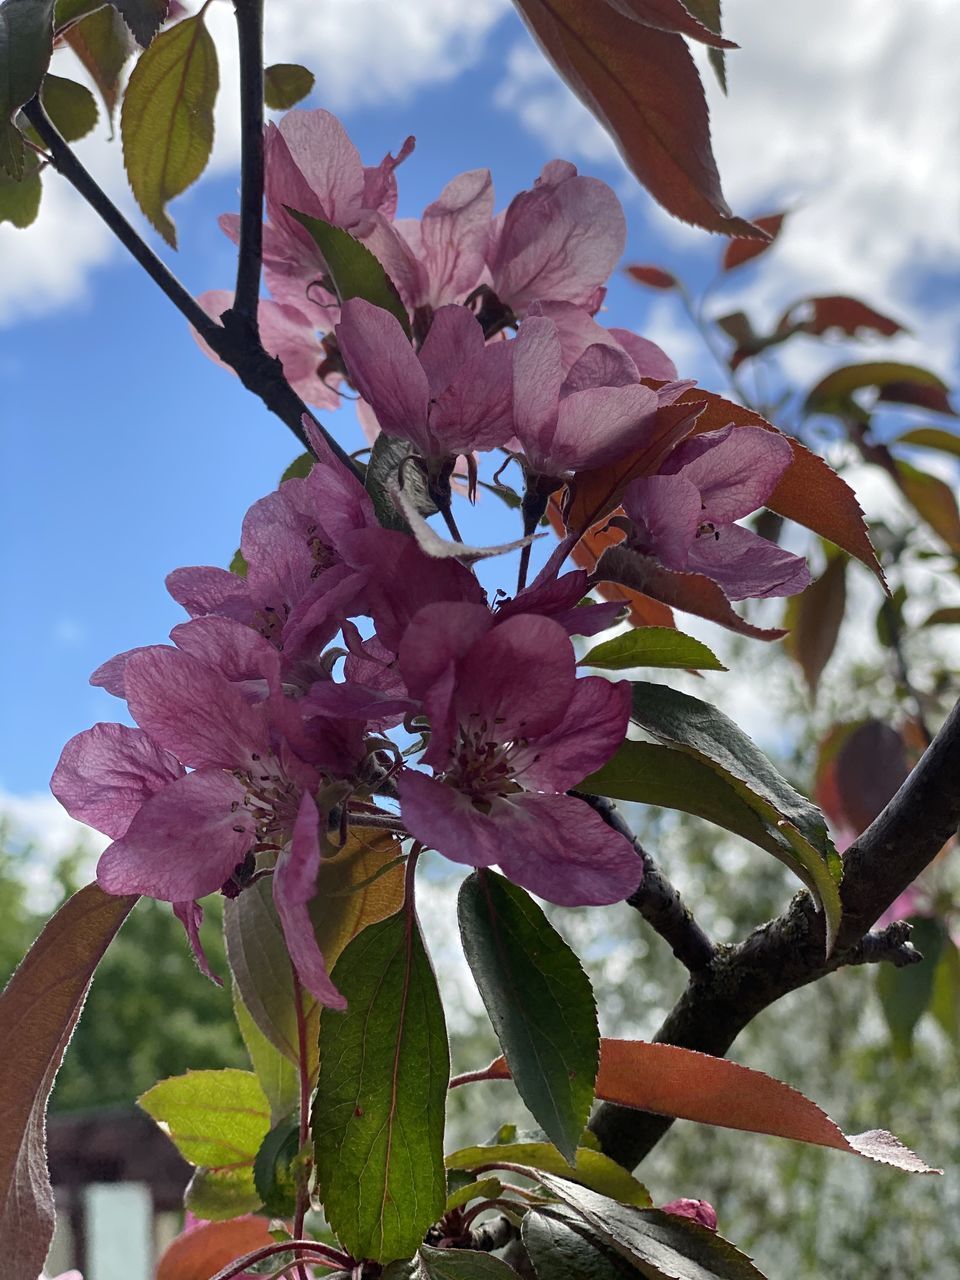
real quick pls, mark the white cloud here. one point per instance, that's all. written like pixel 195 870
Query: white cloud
pixel 362 52
pixel 849 115
pixel 39 826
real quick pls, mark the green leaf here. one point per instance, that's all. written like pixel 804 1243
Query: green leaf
pixel 143 17
pixel 905 994
pixel 238 564
pixel 931 438
pixel 26 42
pixel 285 84
pixel 217 1195
pixel 103 43
pixel 563 1250
pixel 948 616
pixel 20 200
pixel 261 966
pixel 217 1120
pixel 214 1118
pixel 166 123
pixel 648 773
pixel 65 11
pixel 659 1244
pixel 354 271
pixel 539 1001
pixel 276 1073
pixel 71 106
pixel 461 1264
pixel 945 1002
pixel 275 1168
pixel 299 468
pixel 386 456
pixel 592 1168
pixel 706 734
pixel 933 500
pixel 381 1094
pixel 891 381
pixel 482 1189
pixel 652 647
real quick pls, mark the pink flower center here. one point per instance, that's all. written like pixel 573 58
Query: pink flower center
pixel 482 768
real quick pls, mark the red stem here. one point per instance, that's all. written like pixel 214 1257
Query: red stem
pixel 325 1256
pixel 302 1189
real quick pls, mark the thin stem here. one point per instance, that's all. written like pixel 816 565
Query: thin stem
pixel 409 879
pixel 324 1256
pixel 447 512
pixel 472 1077
pixel 303 1194
pixel 703 327
pixel 249 15
pixel 67 164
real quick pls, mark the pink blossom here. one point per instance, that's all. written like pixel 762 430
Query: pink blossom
pixel 568 419
pixel 511 730
pixel 577 330
pixel 684 516
pixel 451 397
pixel 313 167
pixel 557 242
pixel 448 242
pixel 699 1210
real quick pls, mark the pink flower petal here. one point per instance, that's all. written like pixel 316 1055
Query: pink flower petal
pixel 517 679
pixel 294 885
pixel 105 774
pixel 600 425
pixel 736 469
pixel 601 365
pixel 699 1210
pixel 559 849
pixel 452 235
pixel 385 370
pixel 650 360
pixel 110 674
pixel 476 410
pixel 593 726
pixel 444 819
pixel 453 339
pixel 190 915
pixel 204 589
pixel 560 240
pixel 184 842
pixel 194 711
pixel 537 377
pixel 329 162
pixel 747 566
pixel 666 512
pixel 237 651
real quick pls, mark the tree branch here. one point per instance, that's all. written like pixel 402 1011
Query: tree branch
pixel 236 340
pixel 249 15
pixel 657 900
pixel 66 163
pixel 789 952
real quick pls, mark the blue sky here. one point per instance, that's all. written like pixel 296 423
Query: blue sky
pixel 124 453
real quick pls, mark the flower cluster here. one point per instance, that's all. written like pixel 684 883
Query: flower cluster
pixel 352 678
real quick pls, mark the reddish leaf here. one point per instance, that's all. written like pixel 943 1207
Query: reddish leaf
pixel 691 592
pixel 200 1252
pixel 103 43
pixel 652 277
pixel 949 616
pixel 671 15
pixel 932 499
pixel 38 1011
pixel 739 251
pixel 592 495
pixel 643 86
pixel 644 612
pixel 892 382
pixel 809 493
pixel 813 620
pixel 708 11
pixel 670 1081
pixel 868 770
pixel 818 315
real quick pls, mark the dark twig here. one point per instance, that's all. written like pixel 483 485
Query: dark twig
pixel 891 944
pixel 658 901
pixel 249 15
pixel 67 164
pixel 235 341
pixel 790 952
